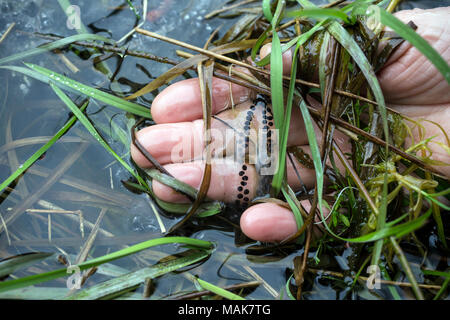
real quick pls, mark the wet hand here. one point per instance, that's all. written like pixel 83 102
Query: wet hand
pixel 410 83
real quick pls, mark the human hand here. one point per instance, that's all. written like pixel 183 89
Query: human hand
pixel 411 85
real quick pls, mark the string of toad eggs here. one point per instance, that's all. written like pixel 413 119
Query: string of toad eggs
pixel 244 139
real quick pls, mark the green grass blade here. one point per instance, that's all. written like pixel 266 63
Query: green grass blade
pixel 172 182
pixel 46 276
pixel 29 73
pixel 307 4
pixel 318 13
pixel 322 63
pixel 441 193
pixel 29 162
pixel 9 265
pixel 315 152
pixel 407 33
pixel 34 293
pixel 288 291
pixel 279 175
pixel 257 46
pixel 54 45
pixel 218 290
pixel 392 289
pixel 436 273
pixel 266 10
pixel 276 72
pixel 442 290
pixel 276 87
pixel 107 98
pixel 425 194
pixel 77 87
pixel 206 209
pixel 380 234
pixel 132 8
pixel 295 207
pixel 132 279
pixel 285 46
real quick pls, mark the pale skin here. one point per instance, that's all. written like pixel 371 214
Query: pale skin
pixel 411 85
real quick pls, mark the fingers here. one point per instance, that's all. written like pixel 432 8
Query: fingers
pixel 266 222
pixel 169 142
pixel 231 181
pixel 408 77
pixel 183 141
pixel 181 101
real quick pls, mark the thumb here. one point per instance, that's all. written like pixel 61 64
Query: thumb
pixel 268 222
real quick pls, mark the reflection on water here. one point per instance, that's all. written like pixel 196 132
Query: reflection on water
pixel 30 113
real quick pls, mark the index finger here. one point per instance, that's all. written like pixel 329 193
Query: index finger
pixel 181 101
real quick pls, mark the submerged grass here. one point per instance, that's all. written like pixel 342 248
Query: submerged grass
pixel 38 278
pixel 29 162
pixel 85 121
pixel 118 285
pixel 218 290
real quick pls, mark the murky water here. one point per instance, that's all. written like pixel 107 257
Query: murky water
pixel 31 112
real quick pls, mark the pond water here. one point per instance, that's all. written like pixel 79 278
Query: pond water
pixel 91 181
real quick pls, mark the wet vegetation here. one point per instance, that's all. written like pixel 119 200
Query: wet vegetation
pixel 383 219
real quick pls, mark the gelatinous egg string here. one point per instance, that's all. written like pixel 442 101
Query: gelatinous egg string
pixel 253 142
